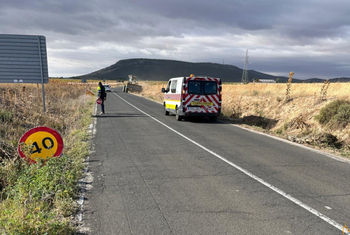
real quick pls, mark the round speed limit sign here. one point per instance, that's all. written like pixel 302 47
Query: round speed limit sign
pixel 40 143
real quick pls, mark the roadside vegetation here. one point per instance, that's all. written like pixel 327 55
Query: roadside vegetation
pixel 315 114
pixel 41 198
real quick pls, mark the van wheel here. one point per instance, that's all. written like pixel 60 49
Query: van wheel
pixel 166 112
pixel 177 116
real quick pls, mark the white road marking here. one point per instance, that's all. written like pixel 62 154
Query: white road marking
pixel 277 190
pixel 88 178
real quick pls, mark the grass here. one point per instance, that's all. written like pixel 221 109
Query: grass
pixel 295 117
pixel 40 198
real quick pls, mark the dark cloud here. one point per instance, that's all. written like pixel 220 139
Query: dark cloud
pixel 310 37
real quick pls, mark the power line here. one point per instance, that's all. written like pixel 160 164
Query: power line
pixel 245 77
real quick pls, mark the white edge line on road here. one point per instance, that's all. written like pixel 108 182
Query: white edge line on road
pixel 87 176
pixel 277 190
pixel 296 144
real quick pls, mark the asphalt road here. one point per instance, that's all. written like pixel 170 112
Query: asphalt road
pixel 155 175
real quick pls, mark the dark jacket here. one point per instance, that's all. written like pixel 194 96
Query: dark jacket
pixel 102 92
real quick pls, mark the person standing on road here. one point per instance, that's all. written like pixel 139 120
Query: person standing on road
pixel 102 95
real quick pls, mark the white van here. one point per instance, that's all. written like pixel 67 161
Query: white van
pixel 193 96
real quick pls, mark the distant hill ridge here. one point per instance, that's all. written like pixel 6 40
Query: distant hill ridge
pixel 162 70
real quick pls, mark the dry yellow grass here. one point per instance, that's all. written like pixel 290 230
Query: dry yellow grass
pixel 152 90
pixel 294 118
pixel 267 100
pixel 21 108
pixel 335 90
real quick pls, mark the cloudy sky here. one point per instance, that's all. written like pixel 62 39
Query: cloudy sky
pixel 309 37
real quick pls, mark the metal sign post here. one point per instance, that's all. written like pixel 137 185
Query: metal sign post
pixel 23 59
pixel 41 74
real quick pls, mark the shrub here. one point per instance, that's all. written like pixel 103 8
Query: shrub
pixel 342 118
pixel 289 87
pixel 6 116
pixel 336 113
pixel 324 88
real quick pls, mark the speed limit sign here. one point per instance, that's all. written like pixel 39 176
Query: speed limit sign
pixel 40 143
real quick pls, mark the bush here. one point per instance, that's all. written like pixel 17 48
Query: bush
pixel 6 116
pixel 336 114
pixel 343 116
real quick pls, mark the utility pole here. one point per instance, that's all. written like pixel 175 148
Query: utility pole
pixel 245 78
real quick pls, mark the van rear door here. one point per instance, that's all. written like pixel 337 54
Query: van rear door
pixel 202 96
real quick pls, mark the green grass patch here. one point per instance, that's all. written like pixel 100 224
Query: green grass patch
pixel 6 116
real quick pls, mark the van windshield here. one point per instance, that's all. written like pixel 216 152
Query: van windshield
pixel 202 87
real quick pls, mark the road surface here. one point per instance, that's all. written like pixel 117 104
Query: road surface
pixel 155 175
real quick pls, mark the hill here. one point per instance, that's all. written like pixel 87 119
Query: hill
pixel 342 79
pixel 318 80
pixel 162 70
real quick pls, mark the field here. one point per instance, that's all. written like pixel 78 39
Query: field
pixel 288 114
pixel 41 198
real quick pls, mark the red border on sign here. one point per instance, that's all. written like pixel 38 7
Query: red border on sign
pixel 37 129
pixel 99 101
